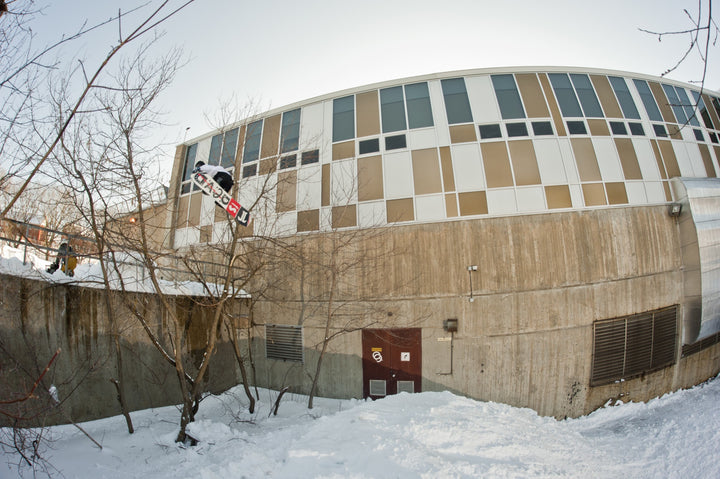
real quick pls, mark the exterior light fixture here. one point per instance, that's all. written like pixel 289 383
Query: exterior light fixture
pixel 674 209
pixel 450 325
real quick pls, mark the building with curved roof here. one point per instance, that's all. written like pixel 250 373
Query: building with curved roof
pixel 545 237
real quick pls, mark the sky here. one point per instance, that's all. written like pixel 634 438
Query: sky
pixel 274 52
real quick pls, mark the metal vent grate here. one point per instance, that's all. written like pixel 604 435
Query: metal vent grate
pixel 284 342
pixel 633 345
pixel 378 387
pixel 406 386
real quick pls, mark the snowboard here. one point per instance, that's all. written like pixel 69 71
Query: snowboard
pixel 222 198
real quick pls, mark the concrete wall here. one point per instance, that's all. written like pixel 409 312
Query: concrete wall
pixel 37 318
pixel 526 339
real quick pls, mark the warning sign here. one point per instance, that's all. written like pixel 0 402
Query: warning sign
pixel 405 356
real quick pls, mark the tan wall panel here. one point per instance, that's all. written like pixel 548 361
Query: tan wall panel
pixel 194 216
pixel 532 95
pixel 552 102
pixel 473 203
pixel 662 102
pixel 525 167
pixel 343 150
pixel 426 171
pixel 713 114
pixel 183 205
pixel 267 166
pixel 344 216
pixel 607 96
pixel 594 194
pixel 674 131
pixel 451 207
pixel 447 168
pixel 308 220
pixel 668 156
pixel 658 159
pixel 286 191
pixel 668 192
pixel 270 137
pixel 598 127
pixel 367 111
pixel 497 165
pixel 628 159
pixel 586 160
pixel 370 178
pixel 325 193
pixel 716 148
pixel 400 210
pixel 558 196
pixel 707 160
pixel 462 133
pixel 617 195
pixel 206 233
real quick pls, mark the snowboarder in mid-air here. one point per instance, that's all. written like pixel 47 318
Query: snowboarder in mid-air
pixel 221 176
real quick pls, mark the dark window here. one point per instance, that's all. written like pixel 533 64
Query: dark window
pixel 419 111
pixel 618 128
pixel 632 345
pixel 308 157
pixel 490 131
pixel 648 100
pixel 713 137
pixel 699 135
pixel 252 141
pixel 687 106
pixel 392 109
pixel 344 118
pixel 508 97
pixel 660 130
pixel 284 342
pixel 289 161
pixel 624 98
pixel 189 161
pixel 227 159
pixel 215 150
pixel 395 142
pixel 576 128
pixel 369 146
pixel 565 94
pixel 586 94
pixel 675 104
pixel 637 129
pixel 716 104
pixel 542 128
pixel 703 110
pixel 457 105
pixel 290 135
pixel 517 129
pixel 249 170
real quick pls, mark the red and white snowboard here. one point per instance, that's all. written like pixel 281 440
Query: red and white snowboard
pixel 222 198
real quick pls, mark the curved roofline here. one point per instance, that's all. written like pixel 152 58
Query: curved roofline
pixel 448 74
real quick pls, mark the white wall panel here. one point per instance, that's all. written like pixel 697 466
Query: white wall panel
pixel 550 163
pixel 326 145
pixel 501 201
pixel 309 188
pixel 439 115
pixel 576 196
pixel 696 160
pixel 468 168
pixel 343 183
pixel 531 198
pixel 371 213
pixel 687 167
pixel 482 99
pixel 636 193
pixel 429 207
pixel 646 159
pixel 286 224
pixel 311 127
pixel 397 171
pixel 655 192
pixel 421 139
pixel 568 158
pixel 608 159
pixel 207 210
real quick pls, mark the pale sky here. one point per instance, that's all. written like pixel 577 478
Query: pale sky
pixel 275 52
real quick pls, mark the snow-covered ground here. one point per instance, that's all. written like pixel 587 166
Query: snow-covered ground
pixel 429 435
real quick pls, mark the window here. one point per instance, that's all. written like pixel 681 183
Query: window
pixel 542 128
pixel 308 157
pixel 190 154
pixel 283 342
pixel 660 130
pixel 227 158
pixel 419 111
pixel 369 146
pixel 290 134
pixel 637 129
pixel 624 98
pixel 344 118
pixel 395 142
pixel 508 97
pixel 252 141
pixel 576 128
pixel 677 108
pixel 699 135
pixel 215 149
pixel 632 345
pixel 618 128
pixel 289 161
pixel 457 105
pixel 249 170
pixel 392 109
pixel 648 100
pixel 516 129
pixel 565 94
pixel 490 131
pixel 703 110
pixel 713 137
pixel 687 106
pixel 586 94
